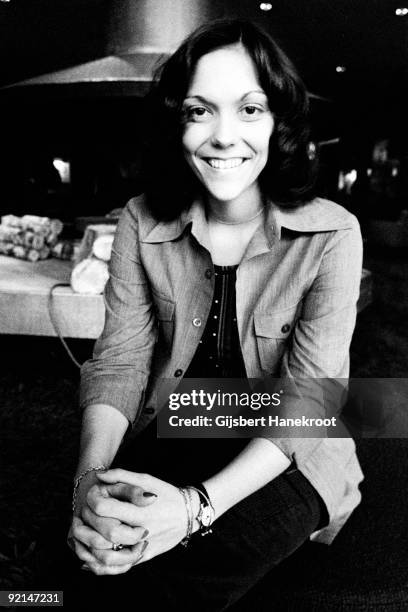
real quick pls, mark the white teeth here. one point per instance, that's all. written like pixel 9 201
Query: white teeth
pixel 225 164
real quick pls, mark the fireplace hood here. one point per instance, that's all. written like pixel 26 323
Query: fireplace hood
pixel 138 34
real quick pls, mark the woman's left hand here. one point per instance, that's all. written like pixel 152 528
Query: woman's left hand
pixel 165 519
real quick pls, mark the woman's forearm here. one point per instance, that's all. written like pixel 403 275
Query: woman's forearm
pixel 103 428
pixel 260 462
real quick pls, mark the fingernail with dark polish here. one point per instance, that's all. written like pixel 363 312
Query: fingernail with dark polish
pixel 136 562
pixel 85 567
pixel 145 543
pixel 149 494
pixel 145 534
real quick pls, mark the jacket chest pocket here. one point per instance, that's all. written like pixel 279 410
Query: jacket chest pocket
pixel 165 316
pixel 273 333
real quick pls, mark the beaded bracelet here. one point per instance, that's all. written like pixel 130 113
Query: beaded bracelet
pixel 190 517
pixel 190 503
pixel 77 481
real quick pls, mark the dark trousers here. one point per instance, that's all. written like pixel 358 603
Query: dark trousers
pixel 215 570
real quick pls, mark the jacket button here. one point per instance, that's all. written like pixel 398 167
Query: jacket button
pixel 178 373
pixel 197 322
pixel 285 328
pixel 148 410
pixel 208 273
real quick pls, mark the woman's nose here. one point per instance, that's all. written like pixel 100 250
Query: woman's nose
pixel 225 132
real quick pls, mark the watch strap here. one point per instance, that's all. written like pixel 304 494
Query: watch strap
pixel 206 513
pixel 203 493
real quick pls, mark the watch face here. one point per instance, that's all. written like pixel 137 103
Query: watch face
pixel 206 516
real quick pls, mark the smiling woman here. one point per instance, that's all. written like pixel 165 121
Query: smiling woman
pixel 227 267
pixel 227 130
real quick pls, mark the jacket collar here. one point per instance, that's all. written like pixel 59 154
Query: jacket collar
pixel 166 231
pixel 319 215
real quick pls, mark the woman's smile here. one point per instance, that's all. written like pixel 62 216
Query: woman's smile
pixel 225 164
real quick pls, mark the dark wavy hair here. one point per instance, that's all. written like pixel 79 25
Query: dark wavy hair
pixel 290 173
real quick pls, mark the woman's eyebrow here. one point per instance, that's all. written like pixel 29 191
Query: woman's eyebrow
pixel 205 101
pixel 199 98
pixel 254 91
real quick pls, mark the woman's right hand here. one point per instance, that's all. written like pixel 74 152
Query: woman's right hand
pixel 82 538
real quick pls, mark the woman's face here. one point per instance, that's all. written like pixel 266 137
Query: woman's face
pixel 227 125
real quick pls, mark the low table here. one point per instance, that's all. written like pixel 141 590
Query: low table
pixel 24 300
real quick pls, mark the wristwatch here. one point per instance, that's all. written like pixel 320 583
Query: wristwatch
pixel 206 513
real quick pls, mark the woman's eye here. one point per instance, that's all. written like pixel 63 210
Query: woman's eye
pixel 251 112
pixel 196 113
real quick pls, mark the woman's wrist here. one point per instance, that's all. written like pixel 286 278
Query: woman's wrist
pixel 199 512
pixel 82 483
pixel 258 463
pixel 220 500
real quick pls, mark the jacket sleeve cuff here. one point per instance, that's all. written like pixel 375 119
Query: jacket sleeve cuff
pixel 336 483
pixel 109 390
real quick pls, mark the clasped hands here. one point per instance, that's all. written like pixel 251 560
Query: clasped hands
pixel 117 511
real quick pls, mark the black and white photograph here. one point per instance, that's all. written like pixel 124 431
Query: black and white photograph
pixel 204 305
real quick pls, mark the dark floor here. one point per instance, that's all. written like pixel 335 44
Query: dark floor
pixel 39 418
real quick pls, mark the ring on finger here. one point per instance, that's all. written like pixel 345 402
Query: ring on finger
pixel 117 547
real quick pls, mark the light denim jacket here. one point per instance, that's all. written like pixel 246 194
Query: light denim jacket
pixel 296 292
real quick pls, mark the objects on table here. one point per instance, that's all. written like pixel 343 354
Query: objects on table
pixel 90 272
pixel 33 238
